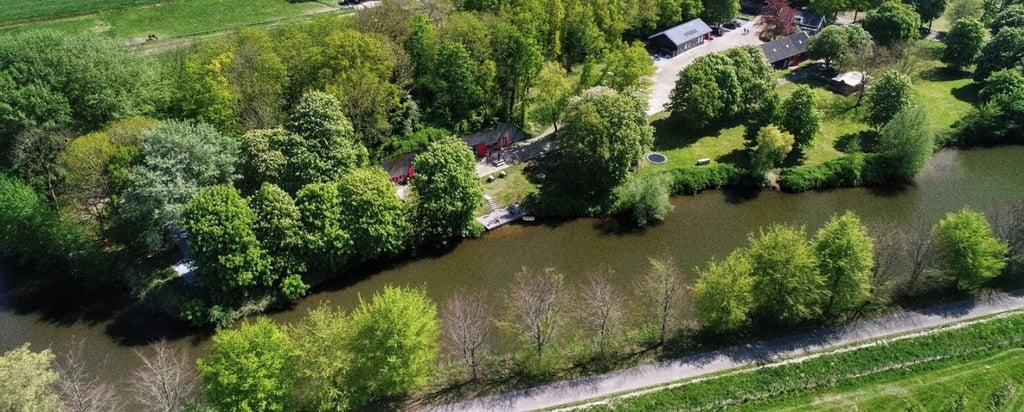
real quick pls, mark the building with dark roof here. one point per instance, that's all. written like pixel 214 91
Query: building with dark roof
pixel 809 21
pixel 787 51
pixel 679 38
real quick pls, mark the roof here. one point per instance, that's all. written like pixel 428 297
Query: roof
pixel 685 32
pixel 809 19
pixel 786 47
pixel 850 78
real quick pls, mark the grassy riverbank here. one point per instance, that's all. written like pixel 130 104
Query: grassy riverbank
pixel 980 360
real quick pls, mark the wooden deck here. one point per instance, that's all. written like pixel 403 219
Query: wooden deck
pixel 502 217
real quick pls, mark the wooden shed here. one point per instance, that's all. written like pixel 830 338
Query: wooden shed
pixel 679 38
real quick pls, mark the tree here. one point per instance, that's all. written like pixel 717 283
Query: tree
pixel 1004 51
pixel 447 192
pixel 372 214
pixel 603 132
pixel 26 380
pixel 553 89
pixel 466 321
pixel 892 23
pixel 773 145
pixel 836 44
pixel 968 250
pixel 166 380
pixel 320 342
pixel 777 19
pixel 929 10
pixel 535 307
pixel 963 9
pixel 79 391
pixel 720 11
pixel 602 308
pixel 721 87
pixel 963 43
pixel 405 321
pixel 829 8
pixel 327 245
pixel 457 92
pixel 249 368
pixel 84 162
pixel 521 62
pixel 180 158
pixel 891 94
pixel 33 157
pixel 202 90
pixel 645 199
pixel 229 260
pixel 660 292
pixel 905 144
pixel 723 294
pixel 800 117
pixel 278 227
pixel 845 255
pixel 1010 17
pixel 789 287
pixel 1003 82
pixel 329 148
pixel 628 67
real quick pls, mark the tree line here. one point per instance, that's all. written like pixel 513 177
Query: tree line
pixel 398 342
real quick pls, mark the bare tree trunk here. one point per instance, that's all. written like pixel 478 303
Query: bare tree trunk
pixel 919 251
pixel 536 302
pixel 602 307
pixel 79 391
pixel 661 289
pixel 166 380
pixel 466 320
pixel 889 247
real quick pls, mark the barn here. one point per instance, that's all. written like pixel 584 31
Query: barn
pixel 787 51
pixel 679 38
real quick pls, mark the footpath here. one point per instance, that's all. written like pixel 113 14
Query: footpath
pixel 661 373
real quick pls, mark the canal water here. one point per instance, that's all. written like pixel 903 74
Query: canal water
pixel 700 227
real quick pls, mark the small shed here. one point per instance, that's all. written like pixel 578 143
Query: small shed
pixel 809 21
pixel 787 51
pixel 679 38
pixel 486 142
pixel 848 83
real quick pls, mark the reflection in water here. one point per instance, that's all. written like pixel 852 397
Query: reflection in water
pixel 702 226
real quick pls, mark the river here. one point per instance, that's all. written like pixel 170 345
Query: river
pixel 700 227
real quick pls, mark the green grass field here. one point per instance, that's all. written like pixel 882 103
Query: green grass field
pixel 16 11
pixel 987 383
pixel 972 367
pixel 173 19
pixel 512 188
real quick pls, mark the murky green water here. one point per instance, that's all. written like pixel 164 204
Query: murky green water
pixel 710 224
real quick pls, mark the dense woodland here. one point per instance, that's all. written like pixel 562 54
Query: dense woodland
pixel 258 151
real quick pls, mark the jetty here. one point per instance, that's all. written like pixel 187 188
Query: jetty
pixel 502 216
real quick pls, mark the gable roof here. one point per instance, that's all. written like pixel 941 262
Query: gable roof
pixel 685 32
pixel 786 47
pixel 808 19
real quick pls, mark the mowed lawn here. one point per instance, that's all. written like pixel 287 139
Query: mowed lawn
pixel 513 188
pixel 947 97
pixel 178 18
pixel 991 383
pixel 16 11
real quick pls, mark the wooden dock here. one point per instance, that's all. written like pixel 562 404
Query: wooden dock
pixel 501 217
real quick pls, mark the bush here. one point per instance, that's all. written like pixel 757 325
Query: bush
pixel 694 179
pixel 645 198
pixel 846 171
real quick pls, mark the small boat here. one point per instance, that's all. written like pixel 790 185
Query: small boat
pixel 528 218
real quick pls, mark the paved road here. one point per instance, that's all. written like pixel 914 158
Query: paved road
pixel 639 377
pixel 668 70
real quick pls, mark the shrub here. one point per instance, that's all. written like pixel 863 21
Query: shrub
pixel 691 180
pixel 645 198
pixel 846 171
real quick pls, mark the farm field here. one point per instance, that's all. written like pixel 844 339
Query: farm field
pixel 173 19
pixel 15 11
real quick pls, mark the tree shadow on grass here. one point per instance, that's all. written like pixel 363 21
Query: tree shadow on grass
pixel 737 157
pixel 967 93
pixel 673 132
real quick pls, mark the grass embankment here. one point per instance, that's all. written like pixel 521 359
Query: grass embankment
pixel 167 20
pixel 513 188
pixel 946 96
pixel 16 11
pixel 974 365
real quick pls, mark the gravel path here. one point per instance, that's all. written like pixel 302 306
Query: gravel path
pixel 661 373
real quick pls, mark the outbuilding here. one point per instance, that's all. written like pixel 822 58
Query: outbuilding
pixel 809 21
pixel 679 38
pixel 787 51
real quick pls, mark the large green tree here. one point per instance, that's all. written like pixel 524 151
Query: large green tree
pixel 27 381
pixel 723 294
pixel 789 287
pixel 278 227
pixel 845 258
pixel 720 11
pixel 963 43
pixel 553 90
pixel 1004 51
pixel 905 144
pixel 1010 17
pixel 799 116
pixel 229 260
pixel 394 344
pixel 836 43
pixel 773 145
pixel 249 369
pixel 320 347
pixel 961 9
pixel 603 132
pixel 829 8
pixel 84 162
pixel 929 10
pixel 892 93
pixel 180 158
pixel 722 87
pixel 329 147
pixel 327 245
pixel 627 67
pixel 521 62
pixel 373 214
pixel 967 249
pixel 892 23
pixel 447 192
